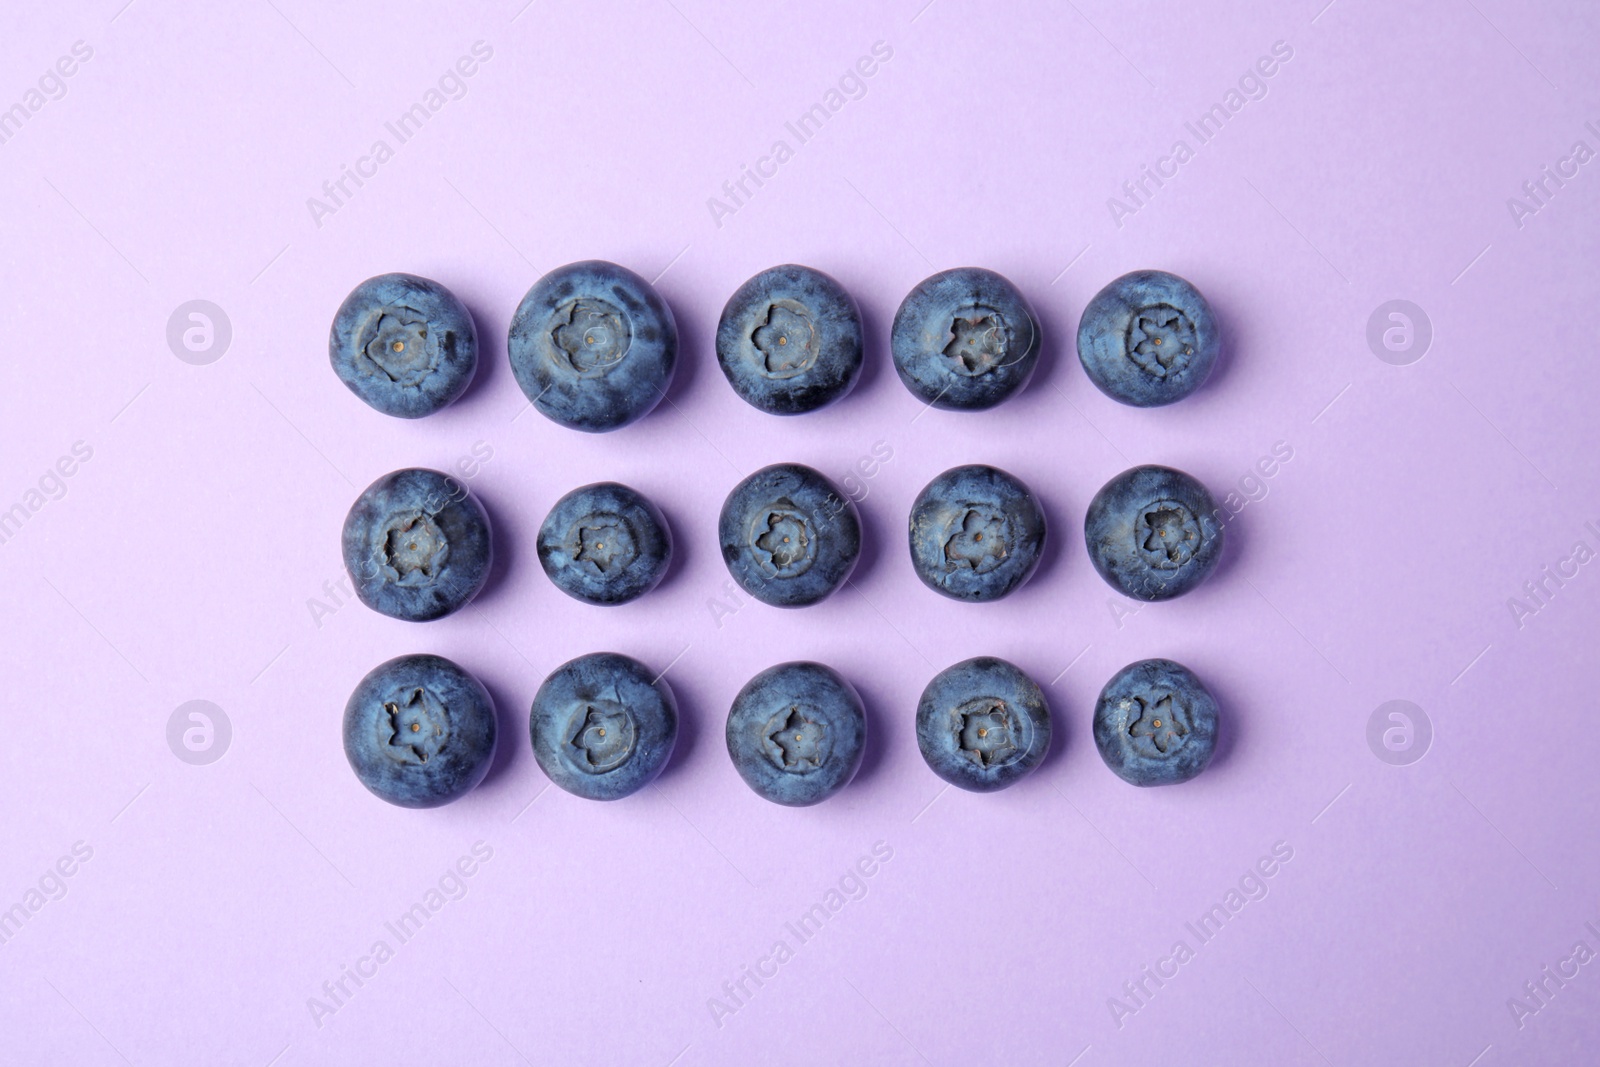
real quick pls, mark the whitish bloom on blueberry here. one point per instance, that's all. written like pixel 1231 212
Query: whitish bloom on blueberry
pixel 1167 534
pixel 606 542
pixel 787 340
pixel 1160 339
pixel 415 549
pixel 593 334
pixel 978 541
pixel 1157 725
pixel 416 723
pixel 977 341
pixel 603 737
pixel 985 729
pixel 401 346
pixel 783 543
pixel 797 742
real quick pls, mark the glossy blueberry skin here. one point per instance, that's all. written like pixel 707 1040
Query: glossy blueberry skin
pixel 605 544
pixel 789 340
pixel 438 342
pixel 796 733
pixel 982 724
pixel 976 533
pixel 965 339
pixel 593 346
pixel 601 727
pixel 1148 339
pixel 1155 723
pixel 417 545
pixel 789 536
pixel 1152 533
pixel 419 731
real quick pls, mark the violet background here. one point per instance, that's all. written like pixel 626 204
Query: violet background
pixel 180 562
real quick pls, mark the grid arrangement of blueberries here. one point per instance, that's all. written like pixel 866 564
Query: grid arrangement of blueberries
pixel 593 346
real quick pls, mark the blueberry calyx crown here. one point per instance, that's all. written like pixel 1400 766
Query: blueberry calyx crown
pixel 796 741
pixel 416 721
pixel 786 339
pixel 984 729
pixel 602 736
pixel 591 335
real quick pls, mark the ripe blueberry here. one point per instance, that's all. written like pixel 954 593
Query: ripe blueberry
pixel 976 533
pixel 417 545
pixel 605 543
pixel 982 724
pixel 1152 533
pixel 1148 339
pixel 593 346
pixel 603 726
pixel 419 731
pixel 796 733
pixel 403 344
pixel 1155 723
pixel 789 340
pixel 789 537
pixel 964 339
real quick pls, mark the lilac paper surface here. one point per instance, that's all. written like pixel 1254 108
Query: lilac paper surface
pixel 1397 552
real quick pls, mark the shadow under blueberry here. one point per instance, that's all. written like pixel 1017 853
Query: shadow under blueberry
pixel 1057 341
pixel 1228 720
pixel 504 554
pixel 871 547
pixel 1227 325
pixel 491 354
pixel 882 727
pixel 1060 729
pixel 689 727
pixel 511 730
pixel 1058 532
pixel 871 364
pixel 691 355
pixel 682 554
pixel 1235 547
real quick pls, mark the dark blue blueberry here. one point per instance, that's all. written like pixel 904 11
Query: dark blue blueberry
pixel 965 339
pixel 796 733
pixel 982 724
pixel 976 533
pixel 417 545
pixel 419 731
pixel 1155 723
pixel 603 726
pixel 593 346
pixel 1148 339
pixel 789 537
pixel 403 344
pixel 605 543
pixel 1152 533
pixel 790 340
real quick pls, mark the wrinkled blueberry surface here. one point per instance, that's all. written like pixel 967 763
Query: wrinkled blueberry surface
pixel 1155 723
pixel 1152 533
pixel 982 724
pixel 417 545
pixel 976 533
pixel 965 339
pixel 403 344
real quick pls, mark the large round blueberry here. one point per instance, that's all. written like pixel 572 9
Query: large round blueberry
pixel 417 545
pixel 1148 339
pixel 789 537
pixel 965 339
pixel 603 726
pixel 419 731
pixel 593 346
pixel 605 543
pixel 1152 533
pixel 1155 723
pixel 790 340
pixel 796 733
pixel 976 533
pixel 982 724
pixel 403 344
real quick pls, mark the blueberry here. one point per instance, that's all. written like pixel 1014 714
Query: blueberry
pixel 1152 533
pixel 796 733
pixel 790 340
pixel 965 339
pixel 789 537
pixel 976 533
pixel 982 724
pixel 593 346
pixel 1148 339
pixel 403 344
pixel 417 545
pixel 603 726
pixel 605 543
pixel 1155 723
pixel 419 731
